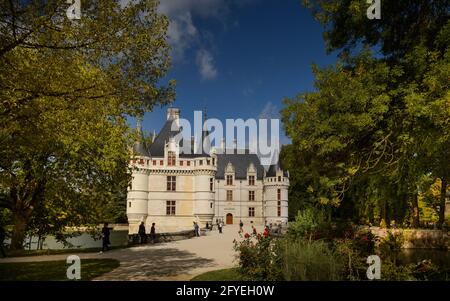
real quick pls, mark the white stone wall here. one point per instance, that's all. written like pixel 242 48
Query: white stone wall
pixel 240 204
pixel 147 197
pixel 271 186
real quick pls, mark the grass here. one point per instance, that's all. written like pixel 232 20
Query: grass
pixel 54 270
pixel 25 253
pixel 219 275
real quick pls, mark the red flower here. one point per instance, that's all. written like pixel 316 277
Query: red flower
pixel 247 235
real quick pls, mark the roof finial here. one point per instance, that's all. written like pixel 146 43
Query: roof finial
pixel 139 120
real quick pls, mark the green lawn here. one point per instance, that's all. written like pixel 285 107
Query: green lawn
pixel 219 275
pixel 24 253
pixel 54 270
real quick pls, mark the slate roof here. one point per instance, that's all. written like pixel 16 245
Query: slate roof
pixel 140 149
pixel 272 172
pixel 157 147
pixel 240 163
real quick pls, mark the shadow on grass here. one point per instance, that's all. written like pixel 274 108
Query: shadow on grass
pixel 54 270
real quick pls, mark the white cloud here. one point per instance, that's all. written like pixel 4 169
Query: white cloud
pixel 205 63
pixel 270 111
pixel 182 32
pixel 184 35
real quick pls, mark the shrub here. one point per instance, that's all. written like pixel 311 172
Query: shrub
pixel 256 259
pixel 391 245
pixel 303 259
pixel 307 224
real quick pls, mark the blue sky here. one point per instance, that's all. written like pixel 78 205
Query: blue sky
pixel 239 58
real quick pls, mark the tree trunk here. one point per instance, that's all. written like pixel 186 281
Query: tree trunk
pixel 415 211
pixel 20 226
pixel 444 184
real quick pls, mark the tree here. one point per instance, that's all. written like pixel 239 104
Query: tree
pixel 66 88
pixel 381 121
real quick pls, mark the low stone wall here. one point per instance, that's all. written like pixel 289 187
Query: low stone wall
pixel 134 239
pixel 418 238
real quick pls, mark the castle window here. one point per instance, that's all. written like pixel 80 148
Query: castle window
pixel 251 211
pixel 229 180
pixel 279 179
pixel 279 208
pixel 188 163
pixel 211 184
pixel 171 183
pixel 171 159
pixel 141 161
pixel 214 161
pixel 129 204
pixel 170 207
pixel 154 162
pixel 161 162
pixel 279 194
pixel 208 162
pixel 181 163
pixel 229 195
pixel 251 180
pixel 251 195
pixel 201 162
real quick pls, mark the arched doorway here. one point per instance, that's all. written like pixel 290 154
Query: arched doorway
pixel 229 219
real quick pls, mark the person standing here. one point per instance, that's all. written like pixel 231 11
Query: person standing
pixel 153 233
pixel 254 230
pixel 142 233
pixel 266 232
pixel 241 227
pixel 105 237
pixel 196 229
pixel 2 238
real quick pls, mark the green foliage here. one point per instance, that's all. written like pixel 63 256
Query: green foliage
pixel 375 124
pixel 305 260
pixel 306 223
pixel 257 259
pixel 391 245
pixel 66 89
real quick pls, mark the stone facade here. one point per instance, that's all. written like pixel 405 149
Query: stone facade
pixel 173 189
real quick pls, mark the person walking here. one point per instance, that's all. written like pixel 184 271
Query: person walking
pixel 153 233
pixel 220 226
pixel 241 227
pixel 105 238
pixel 196 230
pixel 142 233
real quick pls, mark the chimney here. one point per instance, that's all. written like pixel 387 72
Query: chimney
pixel 173 113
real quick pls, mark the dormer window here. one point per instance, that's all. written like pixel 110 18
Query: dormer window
pixel 251 180
pixel 171 158
pixel 229 180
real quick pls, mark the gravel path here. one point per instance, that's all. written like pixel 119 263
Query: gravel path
pixel 178 260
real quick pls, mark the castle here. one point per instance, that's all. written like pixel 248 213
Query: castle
pixel 173 189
